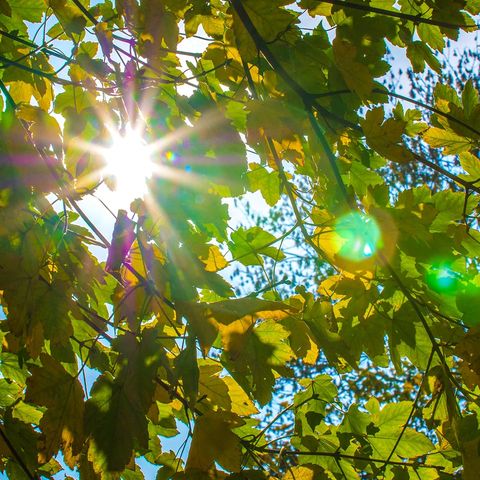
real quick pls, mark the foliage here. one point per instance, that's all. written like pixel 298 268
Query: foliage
pixel 159 325
pixel 370 380
pixel 458 66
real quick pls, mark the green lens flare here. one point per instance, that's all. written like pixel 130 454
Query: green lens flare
pixel 441 278
pixel 359 236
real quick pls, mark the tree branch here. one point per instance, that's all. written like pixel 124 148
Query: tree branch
pixel 396 14
pixel 263 47
pixel 406 99
pixel 282 175
pixel 306 98
pixel 16 455
pixel 338 455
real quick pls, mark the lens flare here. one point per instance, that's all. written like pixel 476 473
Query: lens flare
pixel 170 156
pixel 358 236
pixel 442 278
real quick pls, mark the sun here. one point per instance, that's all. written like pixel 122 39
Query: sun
pixel 129 162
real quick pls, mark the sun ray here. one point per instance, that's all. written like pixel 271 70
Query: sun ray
pixel 130 159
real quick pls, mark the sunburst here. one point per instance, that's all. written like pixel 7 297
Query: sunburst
pixel 128 160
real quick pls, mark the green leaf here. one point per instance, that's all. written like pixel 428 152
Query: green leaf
pixel 8 393
pixel 393 416
pixel 471 164
pixel 414 444
pixel 259 178
pixel 70 17
pixel 390 421
pixel 316 8
pixel 269 18
pixel 29 10
pixel 360 178
pixel 355 421
pixel 432 35
pixel 311 403
pixel 419 54
pixel 27 413
pixel 356 75
pixel 116 410
pixel 187 369
pixel 10 368
pixel 470 99
pixel 247 246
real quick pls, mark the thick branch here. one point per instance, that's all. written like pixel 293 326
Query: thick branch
pixel 263 47
pixel 33 45
pixel 85 12
pixel 50 76
pixel 413 302
pixel 309 99
pixel 465 183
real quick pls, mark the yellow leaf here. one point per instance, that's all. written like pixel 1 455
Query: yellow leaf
pixel 215 260
pixel 386 136
pixel 450 141
pixel 45 98
pixel 241 403
pixel 21 91
pixel 356 74
pixel 143 257
pixel 62 423
pixel 223 392
pixel 214 441
pixel 299 473
pixel 300 340
pixel 234 335
pixel 232 318
pixel 44 128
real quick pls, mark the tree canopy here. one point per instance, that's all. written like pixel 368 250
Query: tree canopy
pixel 111 340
